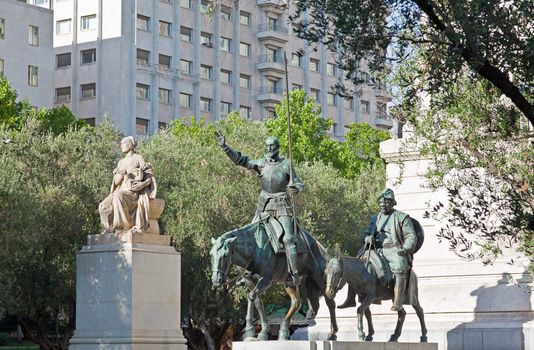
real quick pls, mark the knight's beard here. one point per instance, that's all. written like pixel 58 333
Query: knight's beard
pixel 272 155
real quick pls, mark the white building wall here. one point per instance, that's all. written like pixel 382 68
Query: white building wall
pixel 18 54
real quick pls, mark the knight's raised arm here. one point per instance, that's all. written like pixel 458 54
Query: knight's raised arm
pixel 235 156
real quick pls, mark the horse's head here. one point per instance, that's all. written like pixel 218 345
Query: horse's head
pixel 221 257
pixel 333 274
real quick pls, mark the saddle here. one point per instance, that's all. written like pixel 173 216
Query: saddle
pixel 378 264
pixel 275 232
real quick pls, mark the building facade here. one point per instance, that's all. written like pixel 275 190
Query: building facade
pixel 26 53
pixel 144 63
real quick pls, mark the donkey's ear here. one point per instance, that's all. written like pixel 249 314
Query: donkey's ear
pixel 338 252
pixel 213 241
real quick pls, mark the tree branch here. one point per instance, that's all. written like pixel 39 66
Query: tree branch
pixel 498 78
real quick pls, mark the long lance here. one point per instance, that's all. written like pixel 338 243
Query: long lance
pixel 291 172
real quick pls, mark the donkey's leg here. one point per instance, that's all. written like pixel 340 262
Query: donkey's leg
pixel 370 328
pixel 295 305
pixel 362 309
pixel 419 311
pixel 398 330
pixel 333 322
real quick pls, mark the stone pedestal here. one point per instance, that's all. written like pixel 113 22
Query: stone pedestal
pixel 467 305
pixel 128 294
pixel 329 345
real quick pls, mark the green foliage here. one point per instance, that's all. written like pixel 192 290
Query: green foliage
pixel 50 186
pixel 15 114
pixel 311 141
pixel 480 34
pixel 483 156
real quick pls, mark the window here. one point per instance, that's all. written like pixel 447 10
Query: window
pixel 63 26
pixel 273 23
pixel 88 56
pixel 143 57
pixel 186 100
pixel 204 6
pixel 272 55
pixel 244 18
pixel 365 77
pixel 366 107
pixel 226 13
pixel 63 94
pixel 226 76
pixel 141 91
pixel 382 110
pixel 245 81
pixel 2 28
pixel 162 125
pixel 205 104
pixel 33 35
pixel 245 112
pixel 186 66
pixel 90 121
pixel 33 75
pixel 63 60
pixel 141 125
pixel 331 69
pixel 206 39
pixel 314 65
pixel 164 95
pixel 206 72
pixel 226 44
pixel 348 103
pixel 331 99
pixel 88 22
pixel 38 2
pixel 188 4
pixel 143 22
pixel 166 1
pixel 165 28
pixel 333 128
pixel 1 67
pixel 186 34
pixel 226 107
pixel 244 49
pixel 165 61
pixel 272 86
pixel 316 94
pixel 296 87
pixel 295 60
pixel 88 90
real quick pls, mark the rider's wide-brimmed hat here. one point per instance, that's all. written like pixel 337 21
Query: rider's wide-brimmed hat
pixel 388 194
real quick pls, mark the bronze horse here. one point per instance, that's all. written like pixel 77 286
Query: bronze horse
pixel 341 270
pixel 249 248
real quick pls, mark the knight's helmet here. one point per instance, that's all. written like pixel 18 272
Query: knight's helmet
pixel 388 194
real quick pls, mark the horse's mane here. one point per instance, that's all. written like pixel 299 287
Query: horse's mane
pixel 238 232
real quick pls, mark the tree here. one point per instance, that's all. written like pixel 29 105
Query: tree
pixel 50 187
pixel 483 156
pixel 14 114
pixel 495 39
pixel 312 142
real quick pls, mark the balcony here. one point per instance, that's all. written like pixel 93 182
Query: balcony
pixel 383 122
pixel 382 93
pixel 269 96
pixel 272 7
pixel 272 66
pixel 272 35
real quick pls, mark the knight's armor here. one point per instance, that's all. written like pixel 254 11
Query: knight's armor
pixel 274 177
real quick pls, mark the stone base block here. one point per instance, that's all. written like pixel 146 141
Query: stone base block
pixel 128 294
pixel 330 345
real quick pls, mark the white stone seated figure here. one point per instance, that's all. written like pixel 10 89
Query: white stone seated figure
pixel 132 205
